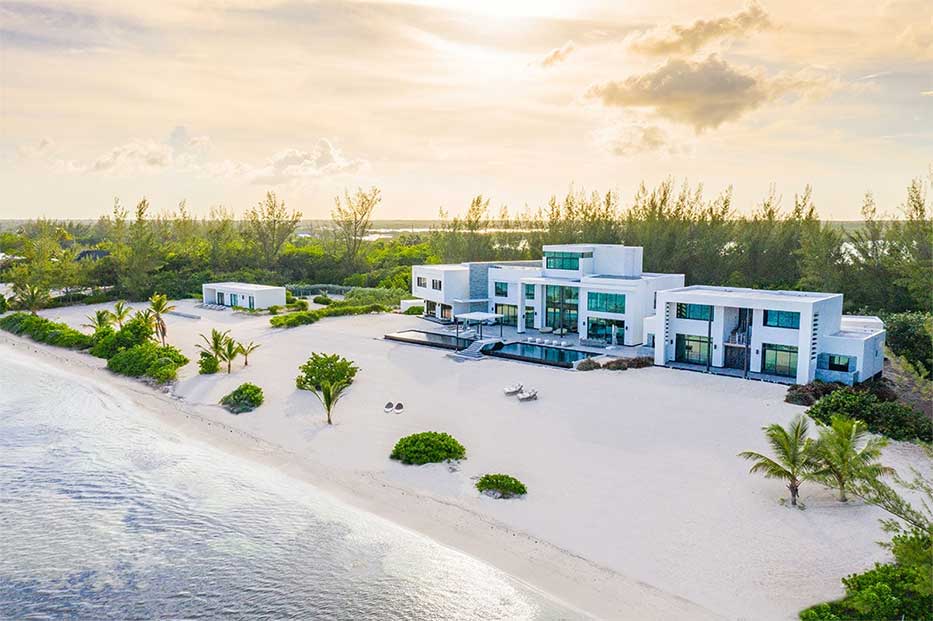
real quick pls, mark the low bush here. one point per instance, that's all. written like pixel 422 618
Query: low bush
pixel 322 368
pixel 364 296
pixel 427 447
pixel 134 332
pixel 503 485
pixel 587 364
pixel 909 335
pixel 616 364
pixel 640 362
pixel 895 420
pixel 148 359
pixel 323 300
pixel 3 305
pixel 302 318
pixel 208 364
pixel 42 330
pixel 808 394
pixel 289 297
pixel 274 309
pixel 414 310
pixel 300 305
pixel 245 398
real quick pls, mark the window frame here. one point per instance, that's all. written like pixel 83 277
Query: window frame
pixel 500 292
pixel 436 284
pixel 686 310
pixel 781 317
pixel 421 281
pixel 605 302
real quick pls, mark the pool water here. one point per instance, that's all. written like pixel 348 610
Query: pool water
pixel 431 339
pixel 555 356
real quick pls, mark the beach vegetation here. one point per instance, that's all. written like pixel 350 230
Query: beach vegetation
pixel 246 349
pixel 325 368
pixel 846 453
pixel 427 447
pixel 329 393
pixel 587 364
pixel 300 318
pixel 895 420
pixel 136 331
pixel 121 312
pixel 245 398
pixel 793 461
pixel 158 307
pixel 323 300
pixel 148 359
pixel 100 320
pixel 503 485
pixel 31 297
pixel 214 344
pixel 910 334
pixel 43 330
pixel 229 351
pixel 208 364
pixel 414 310
pixel 3 304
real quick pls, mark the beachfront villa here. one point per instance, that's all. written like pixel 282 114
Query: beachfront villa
pixel 597 291
pixel 243 294
pixel 798 335
pixel 597 296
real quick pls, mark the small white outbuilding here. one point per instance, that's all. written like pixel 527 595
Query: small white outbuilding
pixel 243 294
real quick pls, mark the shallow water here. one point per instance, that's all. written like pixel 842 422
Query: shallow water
pixel 105 514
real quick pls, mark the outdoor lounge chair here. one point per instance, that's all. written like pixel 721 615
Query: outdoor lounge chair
pixel 528 395
pixel 514 389
pixel 389 407
pixel 399 408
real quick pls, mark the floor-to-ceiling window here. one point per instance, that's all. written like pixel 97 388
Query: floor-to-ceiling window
pixel 599 329
pixel 430 308
pixel 691 349
pixel 779 359
pixel 561 305
pixel 529 317
pixel 509 314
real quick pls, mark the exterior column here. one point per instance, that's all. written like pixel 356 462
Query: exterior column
pixel 520 324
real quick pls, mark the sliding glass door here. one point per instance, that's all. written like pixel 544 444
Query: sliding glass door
pixel 691 349
pixel 561 304
pixel 779 360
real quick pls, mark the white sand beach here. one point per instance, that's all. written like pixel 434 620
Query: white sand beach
pixel 638 507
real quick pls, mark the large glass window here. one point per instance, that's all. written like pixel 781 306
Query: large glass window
pixel 702 312
pixel 509 314
pixel 605 302
pixel 835 362
pixel 782 319
pixel 779 360
pixel 691 349
pixel 599 329
pixel 565 260
pixel 561 307
pixel 529 317
pixel 436 285
pixel 529 292
pixel 502 289
pixel 421 281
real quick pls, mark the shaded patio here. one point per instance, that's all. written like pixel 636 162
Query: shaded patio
pixel 763 377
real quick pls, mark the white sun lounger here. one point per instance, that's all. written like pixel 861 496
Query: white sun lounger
pixel 514 389
pixel 528 395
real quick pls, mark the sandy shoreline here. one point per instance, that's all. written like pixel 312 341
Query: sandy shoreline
pixel 638 507
pixel 567 578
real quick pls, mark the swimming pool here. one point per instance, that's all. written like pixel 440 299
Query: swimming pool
pixel 431 339
pixel 555 356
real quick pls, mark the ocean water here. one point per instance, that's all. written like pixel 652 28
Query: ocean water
pixel 106 515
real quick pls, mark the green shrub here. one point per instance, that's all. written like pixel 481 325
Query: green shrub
pixel 42 330
pixel 808 394
pixel 322 368
pixel 302 318
pixel 502 484
pixel 208 364
pixel 323 300
pixel 301 305
pixel 364 296
pixel 3 305
pixel 149 359
pixel 616 364
pixel 427 447
pixel 245 398
pixel 414 310
pixel 588 364
pixel 908 335
pixel 640 362
pixel 893 419
pixel 134 332
pixel 274 309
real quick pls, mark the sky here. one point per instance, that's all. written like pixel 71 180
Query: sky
pixel 217 102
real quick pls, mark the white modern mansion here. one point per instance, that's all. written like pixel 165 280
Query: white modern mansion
pixel 600 292
pixel 242 294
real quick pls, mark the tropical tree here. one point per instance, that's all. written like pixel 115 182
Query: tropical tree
pixel 159 306
pixel 793 461
pixel 31 297
pixel 329 393
pixel 215 344
pixel 147 318
pixel 246 349
pixel 120 312
pixel 847 453
pixel 228 352
pixel 100 320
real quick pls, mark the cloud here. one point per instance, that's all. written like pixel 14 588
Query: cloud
pixel 926 93
pixel 631 140
pixel 678 39
pixel 558 54
pixel 133 157
pixel 295 164
pixel 704 94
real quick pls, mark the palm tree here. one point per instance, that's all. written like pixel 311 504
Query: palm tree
pixel 215 344
pixel 848 454
pixel 228 352
pixel 147 318
pixel 246 350
pixel 120 312
pixel 329 393
pixel 159 306
pixel 100 320
pixel 793 461
pixel 31 297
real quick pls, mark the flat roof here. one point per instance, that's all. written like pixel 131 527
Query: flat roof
pixel 242 285
pixel 444 267
pixel 755 294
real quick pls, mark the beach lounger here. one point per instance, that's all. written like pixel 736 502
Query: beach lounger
pixel 514 389
pixel 528 395
pixel 399 408
pixel 389 408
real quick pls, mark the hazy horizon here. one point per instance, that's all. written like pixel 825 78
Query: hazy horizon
pixel 434 101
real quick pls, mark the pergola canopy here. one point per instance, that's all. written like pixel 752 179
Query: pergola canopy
pixel 478 316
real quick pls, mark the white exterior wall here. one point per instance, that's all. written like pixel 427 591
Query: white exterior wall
pixel 262 298
pixel 618 260
pixel 455 285
pixel 516 295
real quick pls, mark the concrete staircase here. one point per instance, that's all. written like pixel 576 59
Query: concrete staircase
pixel 475 350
